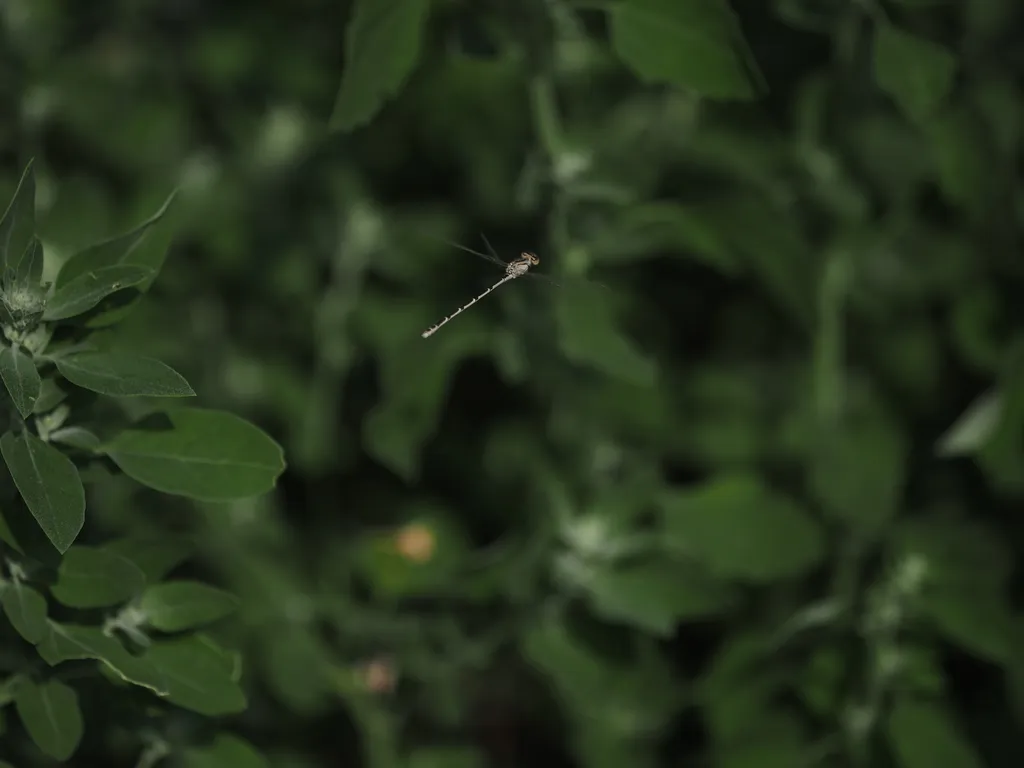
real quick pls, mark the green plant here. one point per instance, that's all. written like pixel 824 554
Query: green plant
pixel 56 363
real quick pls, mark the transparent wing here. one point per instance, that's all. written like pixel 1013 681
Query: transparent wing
pixel 490 256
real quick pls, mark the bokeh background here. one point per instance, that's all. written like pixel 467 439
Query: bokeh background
pixel 743 489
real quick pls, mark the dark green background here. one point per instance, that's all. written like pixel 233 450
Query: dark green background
pixel 708 512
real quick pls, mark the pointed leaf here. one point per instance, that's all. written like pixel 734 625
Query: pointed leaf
pixel 200 453
pixel 689 43
pixel 973 428
pixel 382 44
pixel 28 267
pixel 18 225
pixel 743 529
pixel 70 642
pixel 125 249
pixel 95 578
pixel 21 378
pixel 226 750
pixel 176 605
pixel 197 676
pixel 26 610
pixel 51 715
pixel 49 483
pixel 915 72
pixel 118 375
pixel 86 291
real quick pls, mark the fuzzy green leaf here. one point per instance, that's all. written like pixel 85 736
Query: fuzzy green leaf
pixel 199 675
pixel 689 43
pixel 51 715
pixel 49 483
pixel 95 578
pixel 129 249
pixel 119 375
pixel 86 291
pixel 382 44
pixel 200 453
pixel 25 609
pixel 21 378
pixel 740 528
pixel 915 72
pixel 18 225
pixel 177 605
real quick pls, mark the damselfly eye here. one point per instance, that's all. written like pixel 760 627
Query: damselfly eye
pixel 532 257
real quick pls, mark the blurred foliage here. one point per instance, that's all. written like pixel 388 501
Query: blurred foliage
pixel 742 489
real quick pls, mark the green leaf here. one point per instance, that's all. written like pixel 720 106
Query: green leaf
pixel 154 556
pixel 70 642
pixel 382 44
pixel 87 290
pixel 589 335
pixel 95 578
pixel 50 713
pixel 226 750
pixel 923 735
pixel 28 267
pixel 130 248
pixel 740 528
pixel 25 609
pixel 117 375
pixel 857 472
pixel 197 676
pixel 18 225
pixel 176 605
pixel 916 73
pixel 973 429
pixel 655 595
pixel 689 43
pixel 446 757
pixel 980 622
pixel 49 483
pixel 203 454
pixel 21 378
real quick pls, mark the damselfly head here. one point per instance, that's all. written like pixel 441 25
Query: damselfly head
pixel 531 257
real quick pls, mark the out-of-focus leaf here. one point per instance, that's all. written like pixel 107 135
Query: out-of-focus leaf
pixel 857 472
pixel 49 483
pixel 155 556
pixel 588 334
pixel 742 529
pixel 200 453
pixel 973 428
pixel 120 375
pixel 446 757
pixel 95 578
pixel 18 225
pixel 51 715
pixel 688 43
pixel 982 623
pixel 177 605
pixel 382 45
pixel 923 735
pixel 226 750
pixel 78 296
pixel 25 609
pixel 21 379
pixel 917 73
pixel 657 594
